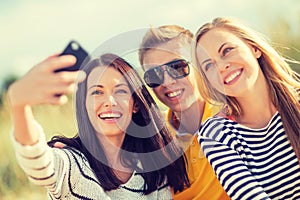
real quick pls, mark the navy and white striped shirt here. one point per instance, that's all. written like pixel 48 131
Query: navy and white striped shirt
pixel 251 163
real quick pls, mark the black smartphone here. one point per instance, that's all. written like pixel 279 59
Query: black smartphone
pixel 76 50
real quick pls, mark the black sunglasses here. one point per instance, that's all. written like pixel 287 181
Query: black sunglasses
pixel 177 69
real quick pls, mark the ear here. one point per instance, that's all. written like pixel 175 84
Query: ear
pixel 256 52
pixel 135 108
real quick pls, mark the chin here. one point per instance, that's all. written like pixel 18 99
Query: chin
pixel 179 108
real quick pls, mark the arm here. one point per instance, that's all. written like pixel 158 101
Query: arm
pixel 38 161
pixel 38 86
pixel 235 177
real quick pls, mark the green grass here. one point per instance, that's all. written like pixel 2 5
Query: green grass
pixel 13 182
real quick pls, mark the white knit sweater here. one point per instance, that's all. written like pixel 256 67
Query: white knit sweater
pixel 67 174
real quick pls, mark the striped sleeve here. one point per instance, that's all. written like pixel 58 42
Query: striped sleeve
pixel 42 166
pixel 229 167
pixel 36 160
pixel 64 172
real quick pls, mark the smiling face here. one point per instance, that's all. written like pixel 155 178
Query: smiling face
pixel 109 102
pixel 229 63
pixel 177 94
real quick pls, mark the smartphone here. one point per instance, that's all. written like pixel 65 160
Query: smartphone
pixel 76 50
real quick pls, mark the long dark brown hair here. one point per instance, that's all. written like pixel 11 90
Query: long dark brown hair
pixel 149 142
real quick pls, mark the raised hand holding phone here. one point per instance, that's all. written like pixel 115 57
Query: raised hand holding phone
pixel 37 87
pixel 74 48
pixel 40 85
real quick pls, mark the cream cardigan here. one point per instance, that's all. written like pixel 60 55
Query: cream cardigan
pixel 66 174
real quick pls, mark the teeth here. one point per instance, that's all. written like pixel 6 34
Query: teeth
pixel 174 94
pixel 232 76
pixel 110 115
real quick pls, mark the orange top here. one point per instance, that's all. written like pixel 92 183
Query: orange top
pixel 204 183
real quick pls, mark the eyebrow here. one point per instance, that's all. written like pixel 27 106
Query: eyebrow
pixel 101 86
pixel 207 60
pixel 222 46
pixel 122 84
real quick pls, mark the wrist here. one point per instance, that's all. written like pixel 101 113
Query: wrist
pixel 14 101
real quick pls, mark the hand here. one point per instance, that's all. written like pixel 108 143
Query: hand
pixel 40 85
pixel 58 145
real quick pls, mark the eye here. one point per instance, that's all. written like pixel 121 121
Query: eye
pixel 96 92
pixel 121 91
pixel 209 65
pixel 226 50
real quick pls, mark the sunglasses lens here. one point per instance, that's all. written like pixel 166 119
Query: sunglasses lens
pixel 176 69
pixel 179 69
pixel 154 77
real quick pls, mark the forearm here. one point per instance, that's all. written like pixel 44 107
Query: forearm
pixel 23 122
pixel 21 113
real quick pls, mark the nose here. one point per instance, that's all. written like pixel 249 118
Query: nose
pixel 110 101
pixel 168 80
pixel 223 65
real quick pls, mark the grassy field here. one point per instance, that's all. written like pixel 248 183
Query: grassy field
pixel 14 185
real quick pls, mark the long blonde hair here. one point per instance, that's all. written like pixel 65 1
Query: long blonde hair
pixel 283 82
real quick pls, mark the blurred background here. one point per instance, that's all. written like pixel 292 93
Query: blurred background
pixel 32 30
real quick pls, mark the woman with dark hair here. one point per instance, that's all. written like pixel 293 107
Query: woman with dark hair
pixel 123 148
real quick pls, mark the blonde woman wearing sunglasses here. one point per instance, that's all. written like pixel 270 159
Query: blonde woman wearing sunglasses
pixel 165 53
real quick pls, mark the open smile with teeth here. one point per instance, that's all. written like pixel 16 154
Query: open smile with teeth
pixel 109 116
pixel 232 76
pixel 174 93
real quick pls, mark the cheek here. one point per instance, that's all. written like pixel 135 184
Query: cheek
pixel 214 78
pixel 91 104
pixel 127 111
pixel 90 108
pixel 210 75
pixel 126 103
pixel 191 80
pixel 158 92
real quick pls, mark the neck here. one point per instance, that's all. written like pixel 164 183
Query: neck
pixel 112 151
pixel 257 107
pixel 112 147
pixel 190 119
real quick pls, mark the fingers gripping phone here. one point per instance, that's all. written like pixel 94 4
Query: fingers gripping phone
pixel 76 50
pixel 81 55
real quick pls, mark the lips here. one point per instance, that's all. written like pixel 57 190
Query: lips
pixel 174 93
pixel 110 115
pixel 233 76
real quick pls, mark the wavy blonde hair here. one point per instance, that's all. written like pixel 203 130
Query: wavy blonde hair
pixel 164 34
pixel 283 82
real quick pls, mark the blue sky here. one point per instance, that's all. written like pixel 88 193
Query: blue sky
pixel 34 29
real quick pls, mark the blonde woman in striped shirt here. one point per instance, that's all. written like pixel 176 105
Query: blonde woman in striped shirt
pixel 253 144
